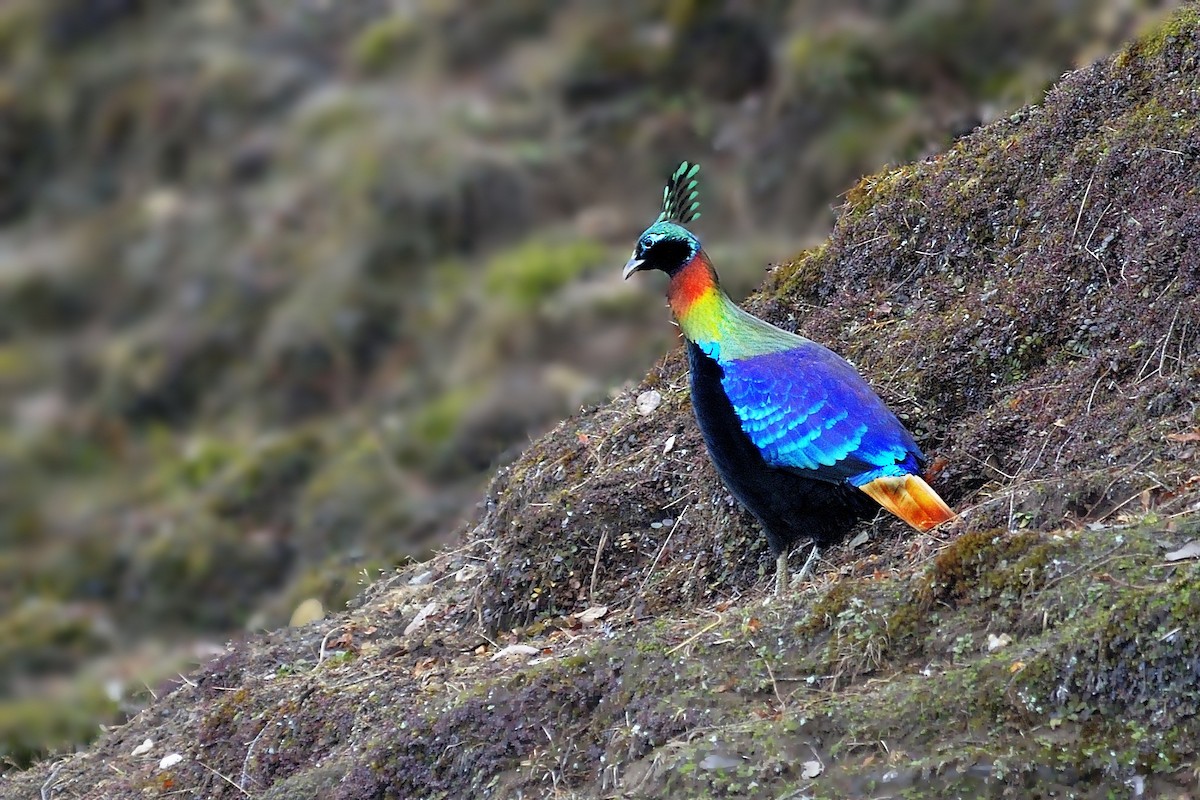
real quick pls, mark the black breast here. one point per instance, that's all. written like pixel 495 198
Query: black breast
pixel 790 505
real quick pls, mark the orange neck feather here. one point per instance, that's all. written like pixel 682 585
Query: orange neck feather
pixel 691 284
pixel 714 322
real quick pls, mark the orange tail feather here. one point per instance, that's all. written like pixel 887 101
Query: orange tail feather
pixel 911 499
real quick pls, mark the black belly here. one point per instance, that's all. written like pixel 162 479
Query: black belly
pixel 789 505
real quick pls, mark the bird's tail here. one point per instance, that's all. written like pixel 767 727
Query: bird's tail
pixel 911 499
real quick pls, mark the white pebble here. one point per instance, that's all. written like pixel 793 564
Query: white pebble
pixel 648 401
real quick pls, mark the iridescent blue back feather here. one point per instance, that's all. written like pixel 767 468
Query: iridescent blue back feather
pixel 806 409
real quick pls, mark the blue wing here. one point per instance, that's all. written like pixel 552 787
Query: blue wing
pixel 808 410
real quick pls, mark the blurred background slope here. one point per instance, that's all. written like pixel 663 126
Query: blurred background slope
pixel 280 282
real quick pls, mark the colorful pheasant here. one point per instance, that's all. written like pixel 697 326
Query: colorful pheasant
pixel 794 432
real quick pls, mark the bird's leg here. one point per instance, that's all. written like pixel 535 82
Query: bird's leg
pixel 781 576
pixel 781 569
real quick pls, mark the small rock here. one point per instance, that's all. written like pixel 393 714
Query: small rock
pixel 516 650
pixel 422 579
pixel 648 401
pixel 170 760
pixel 995 642
pixel 811 769
pixel 162 205
pixel 467 574
pixel 720 761
pixel 1189 550
pixel 143 748
pixel 309 610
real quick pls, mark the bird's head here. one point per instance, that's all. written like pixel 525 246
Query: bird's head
pixel 664 245
pixel 667 245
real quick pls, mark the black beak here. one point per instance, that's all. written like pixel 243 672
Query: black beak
pixel 632 266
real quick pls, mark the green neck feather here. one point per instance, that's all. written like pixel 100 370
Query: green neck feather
pixel 708 317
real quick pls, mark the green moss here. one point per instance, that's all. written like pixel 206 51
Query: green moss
pixel 44 637
pixel 1151 124
pixel 194 464
pixel 1121 681
pixel 878 189
pixel 221 721
pixel 831 63
pixel 906 623
pixel 18 29
pixel 32 728
pixel 200 571
pixel 859 639
pixel 343 114
pixel 800 277
pixel 1180 28
pixel 528 273
pixel 383 44
pixel 263 482
pixel 823 614
pixel 356 500
pixel 982 565
pixel 17 363
pixel 438 419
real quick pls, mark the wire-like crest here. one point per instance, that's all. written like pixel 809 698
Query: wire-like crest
pixel 680 203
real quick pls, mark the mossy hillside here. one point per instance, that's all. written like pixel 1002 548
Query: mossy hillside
pixel 732 702
pixel 232 226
